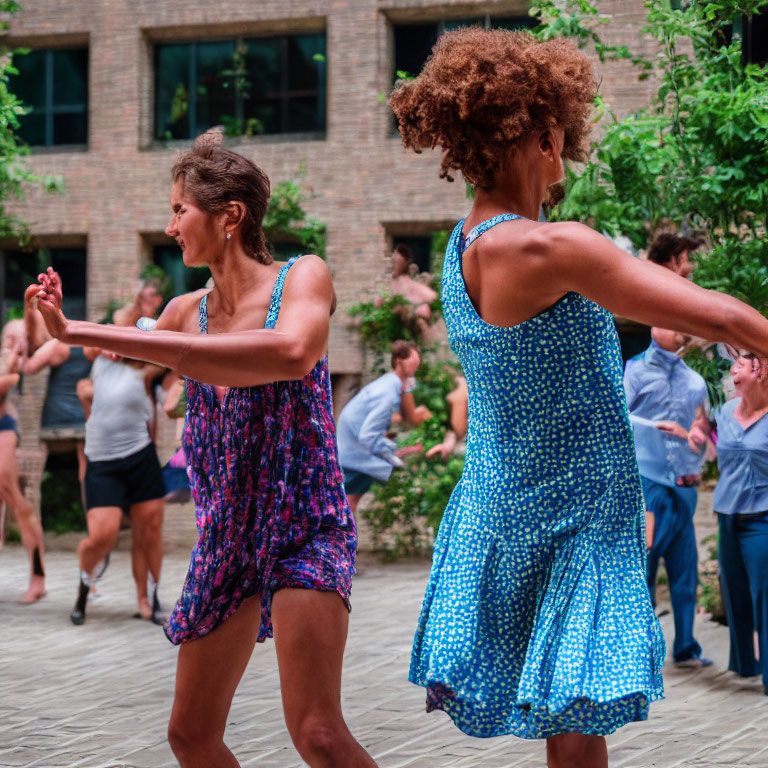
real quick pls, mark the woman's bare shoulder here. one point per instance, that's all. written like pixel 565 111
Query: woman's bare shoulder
pixel 181 312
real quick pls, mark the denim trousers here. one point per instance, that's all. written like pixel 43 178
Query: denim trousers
pixel 743 559
pixel 675 541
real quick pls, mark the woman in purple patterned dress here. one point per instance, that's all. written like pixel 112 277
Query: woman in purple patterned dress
pixel 277 539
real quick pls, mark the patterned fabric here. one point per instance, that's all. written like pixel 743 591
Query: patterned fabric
pixel 537 618
pixel 271 507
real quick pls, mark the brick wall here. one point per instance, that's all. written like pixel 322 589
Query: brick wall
pixel 361 181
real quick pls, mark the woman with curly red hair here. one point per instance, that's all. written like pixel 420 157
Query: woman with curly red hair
pixel 537 619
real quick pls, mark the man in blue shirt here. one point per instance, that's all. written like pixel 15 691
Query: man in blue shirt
pixel 665 398
pixel 365 453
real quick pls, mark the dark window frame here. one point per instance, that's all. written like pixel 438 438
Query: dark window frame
pixel 749 39
pixel 39 258
pixel 284 95
pixel 50 109
pixel 444 24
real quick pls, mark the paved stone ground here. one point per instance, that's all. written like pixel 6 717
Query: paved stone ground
pixel 100 694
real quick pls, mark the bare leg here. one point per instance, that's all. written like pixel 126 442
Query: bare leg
pixel 103 527
pixel 140 569
pixel 82 461
pixel 26 517
pixel 147 549
pixel 213 664
pixel 354 500
pixel 310 634
pixel 575 750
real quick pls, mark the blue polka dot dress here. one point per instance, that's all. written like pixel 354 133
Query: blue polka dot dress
pixel 537 618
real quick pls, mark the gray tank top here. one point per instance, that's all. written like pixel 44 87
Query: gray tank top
pixel 121 409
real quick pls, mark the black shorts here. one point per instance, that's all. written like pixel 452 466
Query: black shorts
pixel 356 483
pixel 124 482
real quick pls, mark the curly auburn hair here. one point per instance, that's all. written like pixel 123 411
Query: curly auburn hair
pixel 483 90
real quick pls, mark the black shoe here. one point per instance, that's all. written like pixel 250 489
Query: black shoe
pixel 158 616
pixel 78 612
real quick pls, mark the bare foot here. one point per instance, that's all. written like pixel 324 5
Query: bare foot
pixel 36 590
pixel 145 609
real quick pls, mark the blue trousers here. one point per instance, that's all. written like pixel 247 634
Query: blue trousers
pixel 675 540
pixel 743 556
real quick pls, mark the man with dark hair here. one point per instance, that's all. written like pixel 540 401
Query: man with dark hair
pixel 365 453
pixel 666 399
pixel 673 251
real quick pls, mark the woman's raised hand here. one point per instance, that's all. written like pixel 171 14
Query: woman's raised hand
pixel 49 302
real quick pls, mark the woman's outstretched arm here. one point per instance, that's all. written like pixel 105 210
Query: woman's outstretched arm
pixel 239 359
pixel 581 260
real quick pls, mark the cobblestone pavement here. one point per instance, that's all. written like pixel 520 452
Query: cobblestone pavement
pixel 100 694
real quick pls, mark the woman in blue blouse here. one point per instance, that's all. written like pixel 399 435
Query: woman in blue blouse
pixel 741 503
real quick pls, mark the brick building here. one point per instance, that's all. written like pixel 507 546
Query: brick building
pixel 118 87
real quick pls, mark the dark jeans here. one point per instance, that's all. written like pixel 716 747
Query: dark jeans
pixel 675 540
pixel 743 557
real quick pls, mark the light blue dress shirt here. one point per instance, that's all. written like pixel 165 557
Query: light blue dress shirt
pixel 661 387
pixel 742 458
pixel 362 425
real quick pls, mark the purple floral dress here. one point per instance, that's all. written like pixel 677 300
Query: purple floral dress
pixel 269 493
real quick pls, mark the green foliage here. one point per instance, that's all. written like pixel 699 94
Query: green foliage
pixel 163 279
pixel 382 321
pixel 286 219
pixel 579 20
pixel 60 505
pixel 406 511
pixel 238 126
pixel 696 157
pixel 14 174
pixel 713 369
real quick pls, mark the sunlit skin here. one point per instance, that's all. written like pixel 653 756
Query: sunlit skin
pixel 12 357
pixel 239 352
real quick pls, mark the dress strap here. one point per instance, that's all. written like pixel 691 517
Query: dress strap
pixel 274 302
pixel 202 314
pixel 277 294
pixel 484 226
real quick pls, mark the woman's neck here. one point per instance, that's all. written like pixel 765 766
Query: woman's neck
pixel 753 401
pixel 236 278
pixel 522 199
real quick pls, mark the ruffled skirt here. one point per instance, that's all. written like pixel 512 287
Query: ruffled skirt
pixel 543 624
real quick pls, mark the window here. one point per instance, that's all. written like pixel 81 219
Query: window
pixel 754 36
pixel 414 42
pixel 184 279
pixel 18 269
pixel 54 85
pixel 250 86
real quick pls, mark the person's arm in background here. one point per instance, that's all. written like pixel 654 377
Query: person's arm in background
pixel 51 354
pixel 373 429
pixel 458 402
pixel 34 325
pixel 174 388
pixel 411 413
